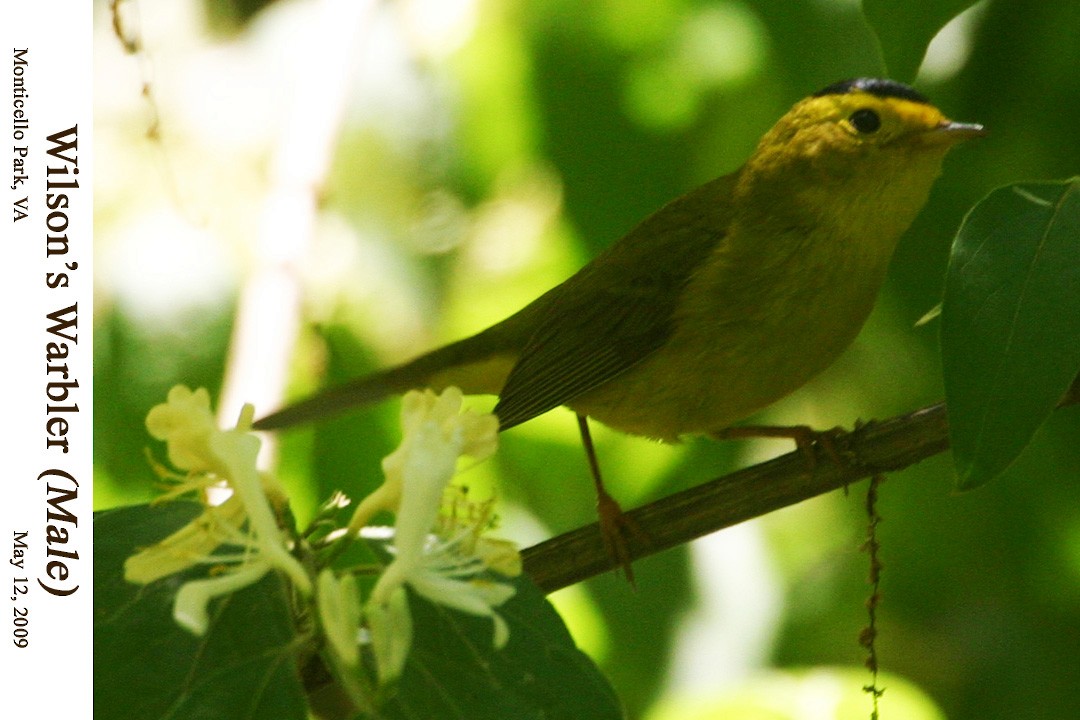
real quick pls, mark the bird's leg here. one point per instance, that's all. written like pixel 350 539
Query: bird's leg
pixel 804 436
pixel 614 523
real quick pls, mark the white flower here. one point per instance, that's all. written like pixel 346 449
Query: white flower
pixel 211 457
pixel 445 568
pixel 185 422
pixel 193 598
pixel 390 625
pixel 338 601
pixel 469 434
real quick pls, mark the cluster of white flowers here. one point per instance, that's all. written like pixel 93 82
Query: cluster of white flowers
pixel 245 522
pixel 445 562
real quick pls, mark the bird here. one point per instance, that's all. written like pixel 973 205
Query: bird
pixel 718 304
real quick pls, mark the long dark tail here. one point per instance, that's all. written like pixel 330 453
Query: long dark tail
pixel 378 386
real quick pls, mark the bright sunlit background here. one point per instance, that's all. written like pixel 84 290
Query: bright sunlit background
pixel 292 193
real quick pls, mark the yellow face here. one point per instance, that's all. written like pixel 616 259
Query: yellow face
pixel 849 125
pixel 860 119
pixel 858 158
pixel 866 119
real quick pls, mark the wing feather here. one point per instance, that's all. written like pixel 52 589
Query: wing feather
pixel 616 311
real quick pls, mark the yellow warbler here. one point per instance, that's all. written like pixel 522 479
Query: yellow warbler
pixel 722 301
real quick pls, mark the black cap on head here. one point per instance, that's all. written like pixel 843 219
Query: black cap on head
pixel 874 86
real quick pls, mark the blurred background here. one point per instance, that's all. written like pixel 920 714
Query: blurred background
pixel 292 193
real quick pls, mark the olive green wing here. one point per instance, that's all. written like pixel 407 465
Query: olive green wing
pixel 616 311
pixel 583 342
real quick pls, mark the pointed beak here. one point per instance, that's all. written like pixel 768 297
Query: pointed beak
pixel 950 132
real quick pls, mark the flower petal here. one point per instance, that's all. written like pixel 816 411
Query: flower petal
pixel 190 610
pixel 184 422
pixel 391 634
pixel 339 613
pixel 475 597
pixel 426 471
pixel 188 546
pixel 236 452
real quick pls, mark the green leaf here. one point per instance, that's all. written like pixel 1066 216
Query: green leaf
pixel 146 666
pixel 1010 322
pixel 905 30
pixel 454 673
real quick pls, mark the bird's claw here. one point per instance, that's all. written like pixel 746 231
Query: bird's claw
pixel 615 529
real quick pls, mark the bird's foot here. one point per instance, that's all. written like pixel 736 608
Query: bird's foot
pixel 807 440
pixel 616 528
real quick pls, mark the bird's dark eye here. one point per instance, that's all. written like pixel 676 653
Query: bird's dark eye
pixel 865 121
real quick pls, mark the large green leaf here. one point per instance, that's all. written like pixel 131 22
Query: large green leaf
pixel 1010 322
pixel 906 28
pixel 245 664
pixel 147 667
pixel 454 672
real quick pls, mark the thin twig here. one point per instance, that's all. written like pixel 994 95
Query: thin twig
pixel 868 636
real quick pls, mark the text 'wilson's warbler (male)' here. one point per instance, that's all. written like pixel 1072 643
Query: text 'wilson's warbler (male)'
pixel 722 301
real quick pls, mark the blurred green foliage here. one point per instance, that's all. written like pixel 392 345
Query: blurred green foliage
pixel 583 117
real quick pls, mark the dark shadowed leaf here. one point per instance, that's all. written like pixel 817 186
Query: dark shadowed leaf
pixel 1010 322
pixel 146 666
pixel 454 672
